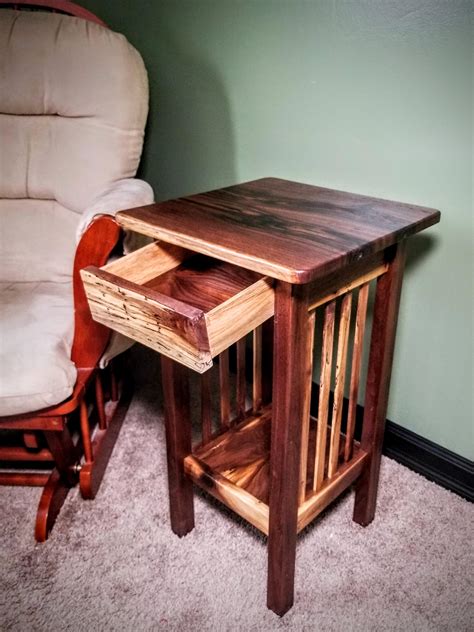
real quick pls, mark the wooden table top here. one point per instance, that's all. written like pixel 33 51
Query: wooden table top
pixel 289 231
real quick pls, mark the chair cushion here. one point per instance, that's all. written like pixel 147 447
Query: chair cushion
pixel 36 329
pixel 73 106
pixel 37 241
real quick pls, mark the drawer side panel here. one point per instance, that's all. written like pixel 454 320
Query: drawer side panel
pixel 239 315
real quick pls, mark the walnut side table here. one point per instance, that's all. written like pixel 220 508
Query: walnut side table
pixel 226 263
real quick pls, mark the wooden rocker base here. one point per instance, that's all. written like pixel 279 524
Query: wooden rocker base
pixel 91 474
pixel 52 499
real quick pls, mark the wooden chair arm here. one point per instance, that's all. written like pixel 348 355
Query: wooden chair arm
pixel 94 248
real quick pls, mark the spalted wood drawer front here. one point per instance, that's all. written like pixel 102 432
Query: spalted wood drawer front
pixel 187 306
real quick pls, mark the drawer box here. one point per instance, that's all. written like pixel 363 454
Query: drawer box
pixel 188 306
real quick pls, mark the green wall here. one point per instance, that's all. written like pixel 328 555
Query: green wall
pixel 370 96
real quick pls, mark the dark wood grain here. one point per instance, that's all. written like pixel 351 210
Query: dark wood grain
pixel 206 407
pixel 178 444
pixel 315 242
pixel 292 337
pixel 290 231
pixel 224 385
pixel 257 369
pixel 384 326
pixel 241 378
pixel 267 361
pixel 203 282
pixel 242 455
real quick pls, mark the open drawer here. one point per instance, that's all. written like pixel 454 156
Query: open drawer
pixel 188 306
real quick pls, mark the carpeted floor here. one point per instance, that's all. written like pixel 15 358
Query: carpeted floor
pixel 114 564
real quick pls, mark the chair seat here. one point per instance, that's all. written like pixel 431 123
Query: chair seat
pixel 36 332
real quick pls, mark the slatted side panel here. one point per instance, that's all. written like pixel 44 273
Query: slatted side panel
pixel 226 396
pixel 328 440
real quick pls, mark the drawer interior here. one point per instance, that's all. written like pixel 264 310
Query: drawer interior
pixel 186 305
pixel 203 282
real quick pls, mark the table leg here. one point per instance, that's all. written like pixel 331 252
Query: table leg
pixel 289 386
pixel 384 327
pixel 178 444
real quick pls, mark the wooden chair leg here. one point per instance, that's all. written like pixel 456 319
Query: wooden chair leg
pixel 178 444
pixel 60 481
pixel 384 326
pixel 52 499
pixel 65 454
pixel 92 472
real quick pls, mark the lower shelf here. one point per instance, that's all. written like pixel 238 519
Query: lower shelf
pixel 235 469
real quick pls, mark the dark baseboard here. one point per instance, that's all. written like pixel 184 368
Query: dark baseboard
pixel 438 464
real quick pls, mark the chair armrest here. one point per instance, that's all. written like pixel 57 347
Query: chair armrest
pixel 94 248
pixel 121 195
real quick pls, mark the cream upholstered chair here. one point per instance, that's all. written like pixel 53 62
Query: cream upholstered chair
pixel 73 107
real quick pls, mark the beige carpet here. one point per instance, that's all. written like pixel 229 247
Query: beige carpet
pixel 114 564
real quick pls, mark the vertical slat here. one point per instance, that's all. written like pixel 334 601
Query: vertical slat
pixel 341 363
pixel 257 370
pixel 267 361
pixel 206 414
pixel 224 388
pixel 356 365
pixel 324 390
pixel 308 381
pixel 241 381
